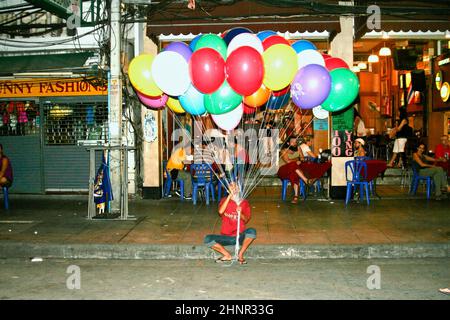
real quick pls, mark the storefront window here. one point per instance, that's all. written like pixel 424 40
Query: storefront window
pixel 19 118
pixel 71 123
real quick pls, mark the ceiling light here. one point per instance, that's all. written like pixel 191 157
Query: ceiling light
pixel 447 34
pixel 362 65
pixel 355 69
pixel 385 35
pixel 373 58
pixel 384 52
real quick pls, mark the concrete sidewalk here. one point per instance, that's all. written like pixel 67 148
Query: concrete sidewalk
pixel 395 226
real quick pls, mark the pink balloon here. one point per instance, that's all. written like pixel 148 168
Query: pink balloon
pixel 153 102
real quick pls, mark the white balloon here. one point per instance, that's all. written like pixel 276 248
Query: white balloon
pixel 230 120
pixel 171 73
pixel 320 113
pixel 245 39
pixel 309 56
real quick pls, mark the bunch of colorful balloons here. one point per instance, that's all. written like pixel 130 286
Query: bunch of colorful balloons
pixel 240 72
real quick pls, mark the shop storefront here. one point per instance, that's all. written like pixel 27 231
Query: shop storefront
pixel 44 124
pixel 440 116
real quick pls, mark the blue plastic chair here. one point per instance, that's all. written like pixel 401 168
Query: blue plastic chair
pixel 284 185
pixel 358 170
pixel 168 183
pixel 372 189
pixel 221 185
pixel 417 178
pixel 202 176
pixel 6 198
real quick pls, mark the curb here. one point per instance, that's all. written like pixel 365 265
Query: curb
pixel 161 252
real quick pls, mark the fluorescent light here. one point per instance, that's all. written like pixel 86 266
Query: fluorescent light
pixel 373 58
pixel 447 34
pixel 385 51
pixel 385 35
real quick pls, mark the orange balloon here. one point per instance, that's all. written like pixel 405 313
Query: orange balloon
pixel 259 98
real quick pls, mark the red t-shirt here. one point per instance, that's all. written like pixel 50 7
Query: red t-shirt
pixel 230 216
pixel 441 150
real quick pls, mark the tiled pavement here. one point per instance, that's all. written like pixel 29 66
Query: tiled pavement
pixel 396 218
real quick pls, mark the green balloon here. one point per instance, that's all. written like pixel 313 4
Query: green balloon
pixel 212 41
pixel 344 89
pixel 223 100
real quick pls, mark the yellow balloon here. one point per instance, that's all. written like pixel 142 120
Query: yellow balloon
pixel 174 105
pixel 280 66
pixel 140 75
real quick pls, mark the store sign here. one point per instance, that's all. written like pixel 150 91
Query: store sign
pixel 341 144
pixel 50 88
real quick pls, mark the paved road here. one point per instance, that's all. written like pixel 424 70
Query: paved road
pixel 203 279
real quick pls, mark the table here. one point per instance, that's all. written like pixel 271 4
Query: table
pixel 313 170
pixel 374 169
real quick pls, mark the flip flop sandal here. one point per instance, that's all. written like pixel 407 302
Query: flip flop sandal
pixel 242 261
pixel 222 260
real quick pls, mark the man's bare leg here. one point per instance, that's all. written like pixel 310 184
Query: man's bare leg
pixel 221 249
pixel 246 243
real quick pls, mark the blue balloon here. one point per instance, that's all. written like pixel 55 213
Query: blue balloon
pixel 234 32
pixel 301 45
pixel 194 42
pixel 279 102
pixel 265 34
pixel 192 101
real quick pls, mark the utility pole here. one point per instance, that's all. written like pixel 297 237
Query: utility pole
pixel 115 105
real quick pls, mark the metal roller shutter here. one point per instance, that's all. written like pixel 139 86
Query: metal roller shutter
pixel 66 165
pixel 25 155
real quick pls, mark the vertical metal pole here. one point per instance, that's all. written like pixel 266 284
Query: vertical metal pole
pixel 125 184
pixel 91 203
pixel 115 111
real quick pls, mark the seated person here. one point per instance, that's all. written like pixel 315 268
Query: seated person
pixel 437 173
pixel 6 172
pixel 306 148
pixel 359 148
pixel 229 208
pixel 289 166
pixel 176 168
pixel 442 151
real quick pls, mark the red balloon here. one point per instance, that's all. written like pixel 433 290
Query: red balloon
pixel 248 110
pixel 326 56
pixel 281 92
pixel 334 63
pixel 245 70
pixel 270 41
pixel 207 70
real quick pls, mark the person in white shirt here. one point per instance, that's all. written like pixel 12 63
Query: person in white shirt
pixel 359 125
pixel 306 148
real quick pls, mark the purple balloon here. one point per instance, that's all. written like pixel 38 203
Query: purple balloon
pixel 153 102
pixel 311 86
pixel 181 48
